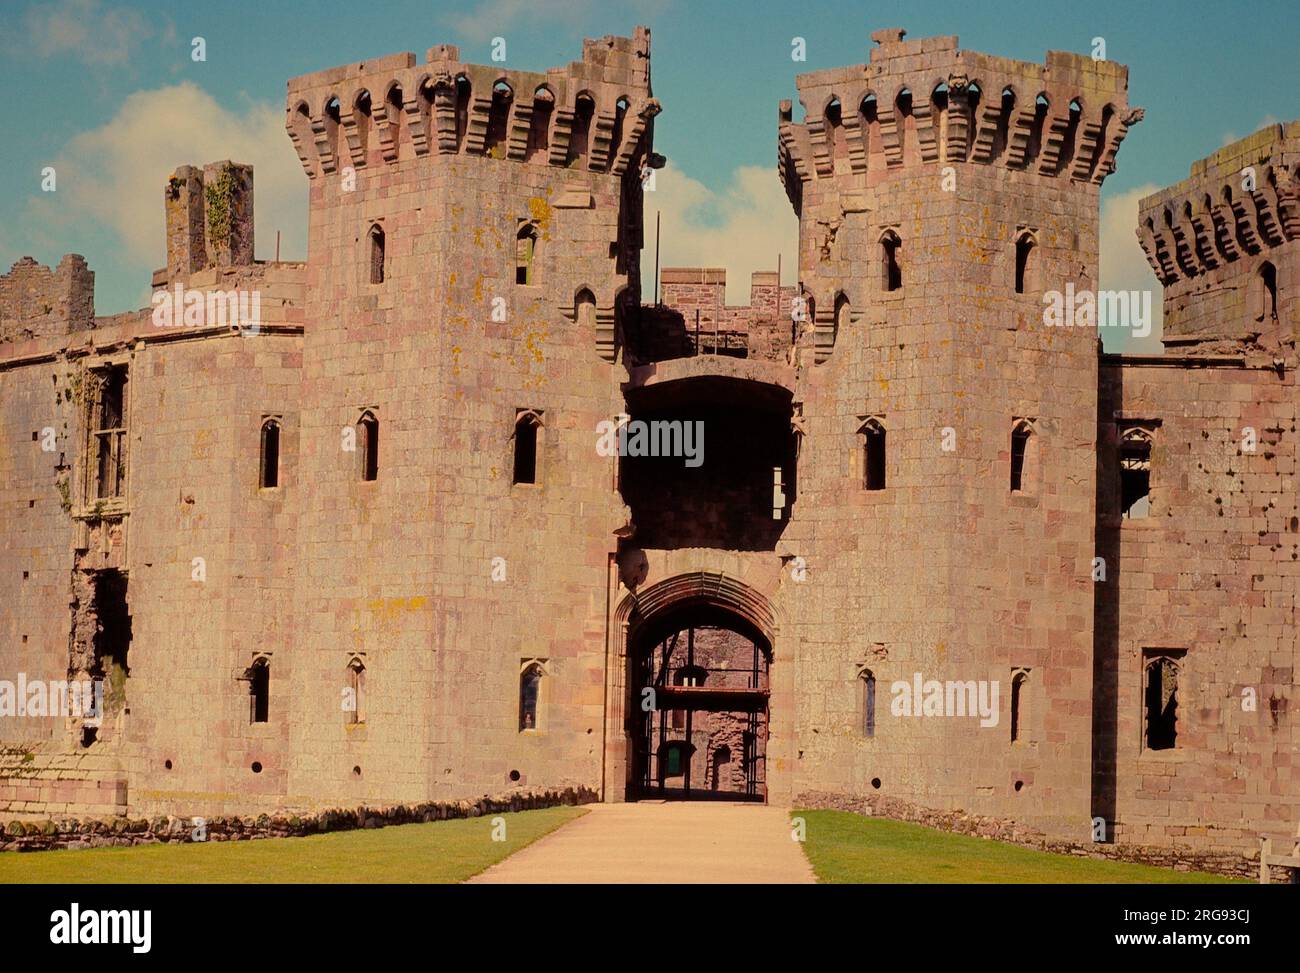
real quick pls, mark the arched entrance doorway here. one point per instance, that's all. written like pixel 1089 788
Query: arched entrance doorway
pixel 699 657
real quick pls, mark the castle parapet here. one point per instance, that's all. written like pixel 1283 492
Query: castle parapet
pixel 593 115
pixel 1223 241
pixel 926 101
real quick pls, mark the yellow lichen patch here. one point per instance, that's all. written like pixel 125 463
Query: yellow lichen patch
pixel 540 210
pixel 202 448
pixel 478 288
pixel 385 611
pixel 533 342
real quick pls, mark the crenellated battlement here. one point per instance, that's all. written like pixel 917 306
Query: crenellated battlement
pixel 1223 244
pixel 593 115
pixel 926 101
pixel 1241 201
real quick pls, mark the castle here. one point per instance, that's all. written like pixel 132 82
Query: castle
pixel 360 545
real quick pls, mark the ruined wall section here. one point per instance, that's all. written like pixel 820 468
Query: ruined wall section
pixel 194 553
pixel 693 317
pixel 1225 243
pixel 1210 576
pixel 190 493
pixel 36 302
pixel 452 163
pixel 206 551
pixel 39 408
pixel 950 155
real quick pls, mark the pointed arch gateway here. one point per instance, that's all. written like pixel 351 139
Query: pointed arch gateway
pixel 697 655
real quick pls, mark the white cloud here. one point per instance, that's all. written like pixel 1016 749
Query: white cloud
pixel 114 175
pixel 86 29
pixel 491 18
pixel 494 18
pixel 743 227
pixel 1123 266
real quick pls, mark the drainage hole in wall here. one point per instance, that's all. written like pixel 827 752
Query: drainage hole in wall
pixel 257 767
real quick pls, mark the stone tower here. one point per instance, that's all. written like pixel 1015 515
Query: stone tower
pixel 941 194
pixel 474 235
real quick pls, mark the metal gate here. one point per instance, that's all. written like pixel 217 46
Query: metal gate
pixel 695 716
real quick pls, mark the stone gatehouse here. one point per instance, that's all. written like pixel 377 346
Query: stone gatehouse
pixel 342 531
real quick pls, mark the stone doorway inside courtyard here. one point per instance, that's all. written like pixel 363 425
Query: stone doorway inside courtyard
pixel 702 733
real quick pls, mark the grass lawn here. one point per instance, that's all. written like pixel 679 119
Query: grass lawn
pixel 845 847
pixel 441 851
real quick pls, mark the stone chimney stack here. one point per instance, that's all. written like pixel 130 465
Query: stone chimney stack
pixel 209 217
pixel 228 207
pixel 183 200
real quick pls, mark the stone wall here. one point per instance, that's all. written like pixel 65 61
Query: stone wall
pixel 122 832
pixel 1210 575
pixel 36 301
pixel 693 305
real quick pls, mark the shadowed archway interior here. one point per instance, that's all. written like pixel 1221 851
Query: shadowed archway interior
pixel 699 660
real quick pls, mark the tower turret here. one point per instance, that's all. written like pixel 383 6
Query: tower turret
pixel 1222 240
pixel 946 198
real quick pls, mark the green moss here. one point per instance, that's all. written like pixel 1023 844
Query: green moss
pixel 75 385
pixel 114 687
pixel 219 196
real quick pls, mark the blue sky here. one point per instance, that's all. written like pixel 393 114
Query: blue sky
pixel 106 91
